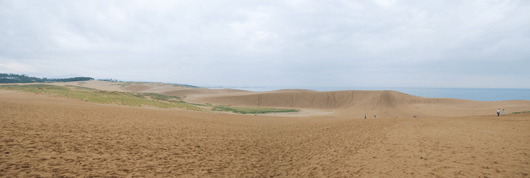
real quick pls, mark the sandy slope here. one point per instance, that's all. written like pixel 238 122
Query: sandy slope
pixel 384 104
pixel 53 137
pixel 100 85
pixel 355 104
pixel 120 86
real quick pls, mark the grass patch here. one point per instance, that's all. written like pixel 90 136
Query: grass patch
pixel 207 104
pixel 162 97
pixel 81 88
pixel 103 97
pixel 520 112
pixel 251 110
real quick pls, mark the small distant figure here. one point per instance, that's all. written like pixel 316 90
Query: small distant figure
pixel 374 116
pixel 503 112
pixel 396 116
pixel 498 112
pixel 364 116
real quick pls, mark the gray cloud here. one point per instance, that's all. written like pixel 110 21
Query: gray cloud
pixel 381 43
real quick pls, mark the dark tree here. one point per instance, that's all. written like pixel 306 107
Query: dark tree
pixel 15 78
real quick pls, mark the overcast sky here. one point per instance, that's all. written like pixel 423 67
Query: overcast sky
pixel 377 43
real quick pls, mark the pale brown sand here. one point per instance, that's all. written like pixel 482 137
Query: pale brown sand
pixel 121 86
pixel 190 94
pixel 44 136
pixel 100 85
pixel 384 104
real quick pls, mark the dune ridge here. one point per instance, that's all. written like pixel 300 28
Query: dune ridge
pixel 348 103
pixel 382 103
pixel 326 100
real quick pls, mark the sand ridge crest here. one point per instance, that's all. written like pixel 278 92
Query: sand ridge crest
pixel 357 103
pixel 324 100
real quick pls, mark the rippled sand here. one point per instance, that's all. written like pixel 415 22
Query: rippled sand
pixel 43 136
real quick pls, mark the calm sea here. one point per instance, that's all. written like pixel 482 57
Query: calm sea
pixel 479 94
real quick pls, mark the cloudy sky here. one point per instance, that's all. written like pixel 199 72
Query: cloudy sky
pixel 372 43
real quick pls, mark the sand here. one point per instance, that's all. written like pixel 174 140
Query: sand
pixel 142 87
pixel 355 104
pixel 44 136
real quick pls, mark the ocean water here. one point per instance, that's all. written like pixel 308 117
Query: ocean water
pixel 478 94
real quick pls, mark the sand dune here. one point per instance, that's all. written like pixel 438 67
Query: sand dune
pixel 122 86
pixel 355 104
pixel 319 100
pixel 137 88
pixel 193 92
pixel 45 136
pixel 384 104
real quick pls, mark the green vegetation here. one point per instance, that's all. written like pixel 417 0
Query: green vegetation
pixel 133 99
pixel 162 97
pixel 251 110
pixel 207 104
pixel 77 87
pixel 520 112
pixel 104 97
pixel 15 78
pixel 196 104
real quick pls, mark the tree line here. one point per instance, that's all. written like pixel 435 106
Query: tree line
pixel 16 78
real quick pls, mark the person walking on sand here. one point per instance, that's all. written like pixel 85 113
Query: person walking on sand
pixel 374 116
pixel 498 112
pixel 503 112
pixel 364 116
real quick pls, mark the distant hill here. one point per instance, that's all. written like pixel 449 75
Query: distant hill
pixel 16 78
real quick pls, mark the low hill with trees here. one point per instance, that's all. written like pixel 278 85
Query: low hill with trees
pixel 16 78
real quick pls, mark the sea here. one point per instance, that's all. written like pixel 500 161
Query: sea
pixel 478 94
